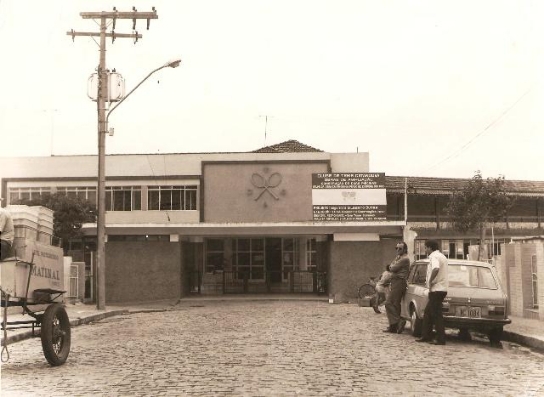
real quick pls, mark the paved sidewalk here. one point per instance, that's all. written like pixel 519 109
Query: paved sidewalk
pixel 526 332
pixel 523 331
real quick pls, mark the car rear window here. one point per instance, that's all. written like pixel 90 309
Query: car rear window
pixel 471 277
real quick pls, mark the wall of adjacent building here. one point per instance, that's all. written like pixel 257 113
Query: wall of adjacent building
pixel 143 271
pixel 352 263
pixel 514 268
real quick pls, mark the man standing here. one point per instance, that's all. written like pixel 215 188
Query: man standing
pixel 437 283
pixel 399 269
pixel 6 233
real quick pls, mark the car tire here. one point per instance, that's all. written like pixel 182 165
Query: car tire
pixel 464 335
pixel 415 323
pixel 495 336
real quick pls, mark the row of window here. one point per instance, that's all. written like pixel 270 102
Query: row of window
pixel 459 249
pixel 119 198
pixel 171 198
pixel 252 257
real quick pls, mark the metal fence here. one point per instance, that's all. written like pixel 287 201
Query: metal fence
pixel 271 282
pixel 73 291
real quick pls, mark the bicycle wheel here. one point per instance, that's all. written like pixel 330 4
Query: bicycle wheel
pixel 366 291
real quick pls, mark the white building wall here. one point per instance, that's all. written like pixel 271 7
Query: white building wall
pixel 350 162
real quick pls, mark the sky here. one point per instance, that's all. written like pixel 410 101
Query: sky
pixel 429 88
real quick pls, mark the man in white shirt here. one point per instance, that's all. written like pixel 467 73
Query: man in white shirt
pixel 6 233
pixel 437 283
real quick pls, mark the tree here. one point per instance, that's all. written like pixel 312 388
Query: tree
pixel 479 204
pixel 69 213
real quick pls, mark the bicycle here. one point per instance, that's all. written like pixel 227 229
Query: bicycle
pixel 368 291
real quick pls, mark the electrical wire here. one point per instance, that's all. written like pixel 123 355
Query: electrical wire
pixel 458 151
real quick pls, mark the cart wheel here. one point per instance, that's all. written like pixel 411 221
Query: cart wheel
pixel 55 334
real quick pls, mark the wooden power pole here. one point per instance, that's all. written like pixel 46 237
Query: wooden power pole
pixel 106 19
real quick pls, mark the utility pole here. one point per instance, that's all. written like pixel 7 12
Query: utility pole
pixel 106 18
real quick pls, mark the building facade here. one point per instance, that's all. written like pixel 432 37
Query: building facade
pixel 214 223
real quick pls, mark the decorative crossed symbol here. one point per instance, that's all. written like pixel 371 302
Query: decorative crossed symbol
pixel 266 184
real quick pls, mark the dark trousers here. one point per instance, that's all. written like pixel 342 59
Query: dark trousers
pixel 392 303
pixel 5 249
pixel 433 316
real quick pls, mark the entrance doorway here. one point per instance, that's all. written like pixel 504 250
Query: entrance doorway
pixel 258 265
pixel 273 260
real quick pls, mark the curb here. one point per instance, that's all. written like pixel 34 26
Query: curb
pixel 523 340
pixel 20 336
pixel 252 299
pixel 73 323
pixel 135 311
pixel 96 317
pixel 508 336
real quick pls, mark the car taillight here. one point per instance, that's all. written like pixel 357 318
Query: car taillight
pixel 496 310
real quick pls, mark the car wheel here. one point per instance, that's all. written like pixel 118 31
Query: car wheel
pixel 415 323
pixel 464 335
pixel 495 336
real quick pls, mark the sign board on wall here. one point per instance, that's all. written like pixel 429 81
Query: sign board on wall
pixel 47 270
pixel 352 197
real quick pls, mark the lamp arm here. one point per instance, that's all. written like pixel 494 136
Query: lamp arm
pixel 131 91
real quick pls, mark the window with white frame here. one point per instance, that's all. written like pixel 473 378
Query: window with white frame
pixel 534 281
pixel 123 198
pixel 419 249
pixel 290 256
pixel 215 254
pixel 248 256
pixel 494 247
pixel 139 237
pixel 446 248
pixel 22 194
pixel 172 198
pixel 311 254
pixel 83 192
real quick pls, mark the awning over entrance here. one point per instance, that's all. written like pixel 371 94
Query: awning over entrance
pixel 263 229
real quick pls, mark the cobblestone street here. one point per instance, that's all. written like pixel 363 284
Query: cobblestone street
pixel 267 348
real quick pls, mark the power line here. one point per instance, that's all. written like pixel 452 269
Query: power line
pixel 454 154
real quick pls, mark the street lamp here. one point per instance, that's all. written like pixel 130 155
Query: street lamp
pixel 172 64
pixel 102 130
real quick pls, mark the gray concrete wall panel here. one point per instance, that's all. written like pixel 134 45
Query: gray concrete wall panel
pixel 141 271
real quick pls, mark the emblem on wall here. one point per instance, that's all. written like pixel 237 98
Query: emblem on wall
pixel 266 185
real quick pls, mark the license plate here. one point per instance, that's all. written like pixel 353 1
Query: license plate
pixel 468 311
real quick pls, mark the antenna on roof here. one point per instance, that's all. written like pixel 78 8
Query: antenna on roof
pixel 265 126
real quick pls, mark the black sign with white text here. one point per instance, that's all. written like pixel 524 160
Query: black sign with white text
pixel 349 197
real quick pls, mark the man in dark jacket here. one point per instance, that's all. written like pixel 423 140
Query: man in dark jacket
pixel 399 268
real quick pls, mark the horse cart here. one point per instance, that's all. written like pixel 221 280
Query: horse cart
pixel 33 281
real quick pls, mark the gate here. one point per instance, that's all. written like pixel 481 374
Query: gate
pixel 271 282
pixel 73 292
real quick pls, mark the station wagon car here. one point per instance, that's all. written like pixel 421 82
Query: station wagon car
pixel 475 299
